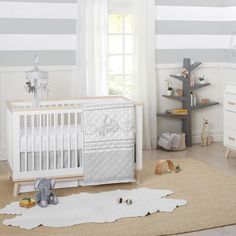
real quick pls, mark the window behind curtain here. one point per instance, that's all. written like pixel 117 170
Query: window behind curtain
pixel 120 51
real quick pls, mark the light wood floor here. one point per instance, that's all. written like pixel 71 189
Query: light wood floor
pixel 212 155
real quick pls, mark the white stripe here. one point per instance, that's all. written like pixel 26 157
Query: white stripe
pixel 195 41
pixel 229 14
pixel 186 13
pixel 38 10
pixel 37 42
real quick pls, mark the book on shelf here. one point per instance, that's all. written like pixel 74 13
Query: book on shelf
pixel 178 111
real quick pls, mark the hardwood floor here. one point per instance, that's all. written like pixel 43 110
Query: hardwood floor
pixel 212 155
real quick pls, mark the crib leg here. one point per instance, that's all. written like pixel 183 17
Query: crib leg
pixel 138 177
pixel 16 189
pixel 227 153
pixel 8 176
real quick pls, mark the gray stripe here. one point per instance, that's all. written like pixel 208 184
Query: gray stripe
pixel 47 58
pixel 200 3
pixel 205 3
pixel 53 1
pixel 203 55
pixel 228 3
pixel 37 26
pixel 195 27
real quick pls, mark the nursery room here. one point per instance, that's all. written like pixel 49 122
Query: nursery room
pixel 117 117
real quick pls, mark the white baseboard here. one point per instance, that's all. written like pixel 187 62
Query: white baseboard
pixel 3 154
pixel 216 137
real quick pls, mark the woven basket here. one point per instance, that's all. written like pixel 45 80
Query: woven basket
pixel 182 144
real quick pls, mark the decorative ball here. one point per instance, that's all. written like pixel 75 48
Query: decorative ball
pixel 129 201
pixel 119 200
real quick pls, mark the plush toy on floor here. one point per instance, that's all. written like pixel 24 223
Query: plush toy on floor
pixel 205 137
pixel 45 195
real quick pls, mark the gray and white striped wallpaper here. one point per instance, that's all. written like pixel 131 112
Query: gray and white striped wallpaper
pixel 204 30
pixel 43 27
pixel 200 29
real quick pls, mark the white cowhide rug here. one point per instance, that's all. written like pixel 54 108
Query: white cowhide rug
pixel 92 208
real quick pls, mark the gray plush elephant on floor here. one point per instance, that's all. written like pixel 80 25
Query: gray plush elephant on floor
pixel 45 195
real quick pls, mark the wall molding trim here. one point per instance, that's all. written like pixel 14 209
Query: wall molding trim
pixel 11 69
pixel 203 65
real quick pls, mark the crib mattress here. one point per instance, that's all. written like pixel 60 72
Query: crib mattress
pixel 51 139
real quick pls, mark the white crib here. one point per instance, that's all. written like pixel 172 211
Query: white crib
pixel 57 140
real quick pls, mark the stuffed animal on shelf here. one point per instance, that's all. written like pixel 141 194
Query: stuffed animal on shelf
pixel 45 195
pixel 205 137
pixel 184 72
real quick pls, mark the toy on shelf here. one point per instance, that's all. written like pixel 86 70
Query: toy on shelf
pixel 202 80
pixel 36 80
pixel 45 195
pixel 184 73
pixel 27 202
pixel 170 90
pixel 205 137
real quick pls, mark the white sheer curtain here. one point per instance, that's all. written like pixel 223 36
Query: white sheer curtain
pixel 145 76
pixel 92 47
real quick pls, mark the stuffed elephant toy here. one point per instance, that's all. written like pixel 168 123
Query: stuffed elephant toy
pixel 45 195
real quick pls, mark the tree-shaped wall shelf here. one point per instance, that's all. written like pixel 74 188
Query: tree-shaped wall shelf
pixel 186 100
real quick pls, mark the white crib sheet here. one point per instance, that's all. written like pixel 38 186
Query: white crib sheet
pixel 49 143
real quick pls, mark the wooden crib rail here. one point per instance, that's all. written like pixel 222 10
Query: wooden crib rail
pixel 24 108
pixel 65 103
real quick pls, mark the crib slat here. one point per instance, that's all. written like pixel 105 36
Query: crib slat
pixel 50 120
pixel 76 140
pixel 82 139
pixel 43 120
pixel 47 138
pixel 62 139
pixel 33 140
pixel 69 136
pixel 26 141
pixel 55 121
pixel 40 140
